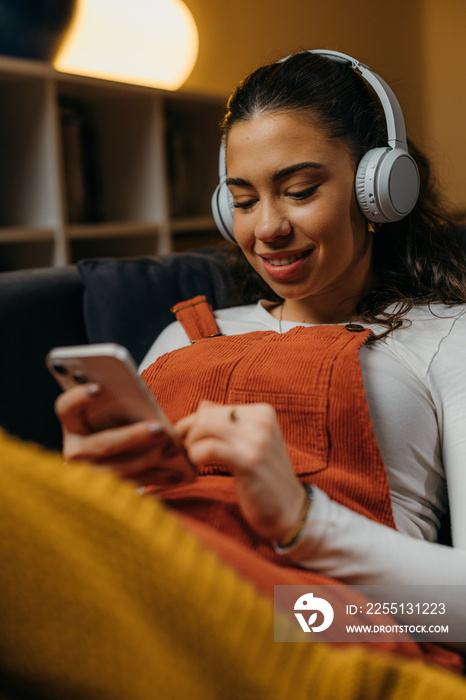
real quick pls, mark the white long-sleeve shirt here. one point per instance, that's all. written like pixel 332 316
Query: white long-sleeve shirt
pixel 415 383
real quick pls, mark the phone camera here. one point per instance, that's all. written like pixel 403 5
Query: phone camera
pixel 59 368
pixel 79 378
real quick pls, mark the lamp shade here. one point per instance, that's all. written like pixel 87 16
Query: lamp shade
pixel 147 42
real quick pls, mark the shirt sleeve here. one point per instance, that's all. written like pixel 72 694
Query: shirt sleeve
pixel 345 545
pixel 447 379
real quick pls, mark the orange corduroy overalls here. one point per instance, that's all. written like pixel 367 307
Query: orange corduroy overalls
pixel 312 377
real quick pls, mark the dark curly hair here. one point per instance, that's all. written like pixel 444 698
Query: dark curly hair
pixel 418 260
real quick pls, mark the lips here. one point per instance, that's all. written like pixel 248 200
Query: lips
pixel 281 266
pixel 277 262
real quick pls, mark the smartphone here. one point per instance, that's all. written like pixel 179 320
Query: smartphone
pixel 124 399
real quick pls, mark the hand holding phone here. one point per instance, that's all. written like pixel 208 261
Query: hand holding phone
pixel 124 399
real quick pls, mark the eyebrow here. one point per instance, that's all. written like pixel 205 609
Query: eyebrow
pixel 278 174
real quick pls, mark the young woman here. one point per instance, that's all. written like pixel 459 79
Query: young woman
pixel 347 377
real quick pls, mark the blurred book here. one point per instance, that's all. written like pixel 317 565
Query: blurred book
pixel 81 163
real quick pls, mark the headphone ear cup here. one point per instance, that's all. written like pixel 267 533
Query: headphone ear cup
pixel 222 210
pixel 366 184
pixel 387 184
pixel 361 189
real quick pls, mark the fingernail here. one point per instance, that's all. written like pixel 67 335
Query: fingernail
pixel 93 389
pixel 156 428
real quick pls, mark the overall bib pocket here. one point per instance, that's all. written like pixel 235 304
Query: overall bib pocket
pixel 303 421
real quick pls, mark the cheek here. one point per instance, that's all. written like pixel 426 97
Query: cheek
pixel 326 222
pixel 241 241
pixel 244 233
pixel 343 211
pixel 338 228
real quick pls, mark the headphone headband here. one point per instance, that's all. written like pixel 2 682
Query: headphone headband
pixel 387 179
pixel 393 115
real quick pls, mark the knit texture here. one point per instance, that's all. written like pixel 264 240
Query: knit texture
pixel 104 595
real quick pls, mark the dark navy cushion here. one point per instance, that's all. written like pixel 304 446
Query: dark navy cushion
pixel 129 301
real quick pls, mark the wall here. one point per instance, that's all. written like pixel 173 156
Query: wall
pixel 236 37
pixel 444 99
pixel 416 45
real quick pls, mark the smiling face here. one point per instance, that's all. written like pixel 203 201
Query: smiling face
pixel 296 218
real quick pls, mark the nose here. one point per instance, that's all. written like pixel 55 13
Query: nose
pixel 271 221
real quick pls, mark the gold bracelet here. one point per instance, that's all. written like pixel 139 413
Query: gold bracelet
pixel 295 531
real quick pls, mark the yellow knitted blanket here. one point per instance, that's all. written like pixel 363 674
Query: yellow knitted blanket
pixel 104 595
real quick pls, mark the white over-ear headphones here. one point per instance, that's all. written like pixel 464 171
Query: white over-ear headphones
pixel 387 178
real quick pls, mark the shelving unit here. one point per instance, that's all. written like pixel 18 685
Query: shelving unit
pixel 93 168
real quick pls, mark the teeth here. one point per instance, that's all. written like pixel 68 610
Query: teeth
pixel 286 261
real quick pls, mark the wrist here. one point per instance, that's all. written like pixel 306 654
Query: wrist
pixel 293 534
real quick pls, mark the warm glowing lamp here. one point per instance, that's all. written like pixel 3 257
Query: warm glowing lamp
pixel 147 42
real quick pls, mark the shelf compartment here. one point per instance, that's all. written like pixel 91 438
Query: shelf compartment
pixel 116 247
pixel 111 155
pixel 112 229
pixel 192 131
pixel 193 223
pixel 191 240
pixel 26 255
pixel 29 193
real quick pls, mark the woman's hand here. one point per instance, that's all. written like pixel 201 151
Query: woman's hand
pixel 129 450
pixel 248 440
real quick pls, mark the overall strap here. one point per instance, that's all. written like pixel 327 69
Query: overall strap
pixel 197 318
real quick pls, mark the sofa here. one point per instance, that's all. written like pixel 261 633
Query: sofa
pixel 126 301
